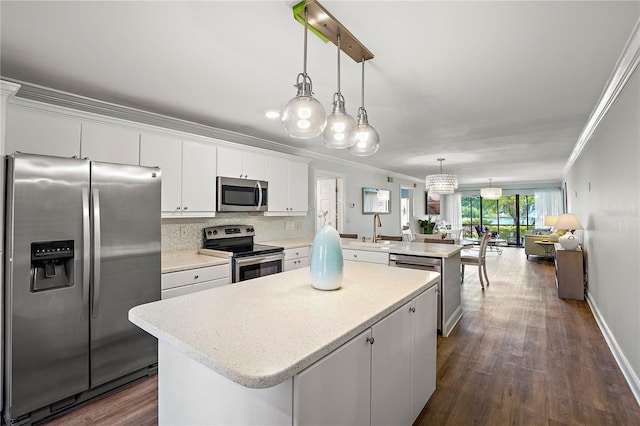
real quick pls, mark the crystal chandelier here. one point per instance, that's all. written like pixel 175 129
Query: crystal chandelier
pixel 491 193
pixel 441 183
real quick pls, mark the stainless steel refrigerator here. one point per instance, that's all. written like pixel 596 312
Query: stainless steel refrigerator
pixel 82 248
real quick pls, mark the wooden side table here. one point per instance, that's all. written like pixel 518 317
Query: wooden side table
pixel 569 273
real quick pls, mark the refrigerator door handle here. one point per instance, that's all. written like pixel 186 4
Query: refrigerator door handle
pixel 86 245
pixel 96 252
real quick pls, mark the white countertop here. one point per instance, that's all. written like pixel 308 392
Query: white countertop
pixel 261 332
pixel 405 247
pixel 191 259
pixel 290 242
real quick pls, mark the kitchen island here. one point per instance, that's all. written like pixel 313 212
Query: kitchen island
pixel 443 258
pixel 258 351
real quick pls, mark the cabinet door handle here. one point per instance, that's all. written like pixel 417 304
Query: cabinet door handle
pixel 196 277
pixel 412 309
pixel 185 207
pixel 355 255
pixel 370 340
pixel 178 208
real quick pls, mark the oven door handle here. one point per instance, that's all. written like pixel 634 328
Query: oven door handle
pixel 252 260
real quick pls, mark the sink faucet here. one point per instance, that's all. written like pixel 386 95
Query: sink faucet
pixel 376 223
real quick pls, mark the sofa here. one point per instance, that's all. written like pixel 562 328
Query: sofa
pixel 533 249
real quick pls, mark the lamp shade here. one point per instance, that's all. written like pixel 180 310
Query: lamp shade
pixel 441 183
pixel 568 221
pixel 550 220
pixel 491 193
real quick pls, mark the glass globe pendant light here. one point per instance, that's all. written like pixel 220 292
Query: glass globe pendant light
pixel 365 139
pixel 304 117
pixel 340 125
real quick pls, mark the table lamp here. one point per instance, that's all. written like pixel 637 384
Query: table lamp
pixel 550 221
pixel 568 222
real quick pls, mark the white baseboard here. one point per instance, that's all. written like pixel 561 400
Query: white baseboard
pixel 625 367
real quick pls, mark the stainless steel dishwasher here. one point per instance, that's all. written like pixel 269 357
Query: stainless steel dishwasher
pixel 425 263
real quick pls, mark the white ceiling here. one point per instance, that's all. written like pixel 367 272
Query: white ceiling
pixel 500 89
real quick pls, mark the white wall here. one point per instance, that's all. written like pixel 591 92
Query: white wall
pixel 604 192
pixel 355 179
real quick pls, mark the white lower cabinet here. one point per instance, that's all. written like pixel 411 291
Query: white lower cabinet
pixel 423 353
pixel 295 258
pixel 391 369
pixel 384 376
pixel 366 256
pixel 192 280
pixel 335 390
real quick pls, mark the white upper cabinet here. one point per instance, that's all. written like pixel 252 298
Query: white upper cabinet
pixel 198 178
pixel 298 186
pixel 241 164
pixel 45 133
pixel 110 143
pixel 166 153
pixel 188 174
pixel 288 186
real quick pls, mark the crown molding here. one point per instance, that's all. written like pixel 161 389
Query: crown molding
pixel 8 88
pixel 624 68
pixel 47 96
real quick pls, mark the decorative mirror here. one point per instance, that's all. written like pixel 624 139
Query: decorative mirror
pixel 376 200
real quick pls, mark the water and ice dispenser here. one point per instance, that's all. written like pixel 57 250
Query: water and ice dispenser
pixel 51 265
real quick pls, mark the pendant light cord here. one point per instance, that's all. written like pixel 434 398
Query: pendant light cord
pixel 339 61
pixel 362 97
pixel 306 23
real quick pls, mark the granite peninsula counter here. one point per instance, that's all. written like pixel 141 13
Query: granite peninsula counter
pixel 252 338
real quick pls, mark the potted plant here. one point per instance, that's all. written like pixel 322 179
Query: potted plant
pixel 426 226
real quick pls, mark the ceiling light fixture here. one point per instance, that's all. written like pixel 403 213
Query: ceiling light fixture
pixel 365 139
pixel 491 193
pixel 304 117
pixel 441 183
pixel 337 133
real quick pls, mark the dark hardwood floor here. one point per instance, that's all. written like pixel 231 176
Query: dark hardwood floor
pixel 520 355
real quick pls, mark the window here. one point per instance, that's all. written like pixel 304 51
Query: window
pixel 510 216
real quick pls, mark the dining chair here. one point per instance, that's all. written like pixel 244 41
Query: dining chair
pixel 407 234
pixel 389 238
pixel 352 236
pixel 479 260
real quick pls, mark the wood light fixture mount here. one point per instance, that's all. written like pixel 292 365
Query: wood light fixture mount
pixel 328 28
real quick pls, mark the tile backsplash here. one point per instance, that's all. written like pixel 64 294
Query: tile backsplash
pixel 267 228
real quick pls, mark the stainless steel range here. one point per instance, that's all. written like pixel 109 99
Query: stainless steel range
pixel 249 260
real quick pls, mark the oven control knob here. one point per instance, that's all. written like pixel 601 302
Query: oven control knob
pixel 249 229
pixel 215 232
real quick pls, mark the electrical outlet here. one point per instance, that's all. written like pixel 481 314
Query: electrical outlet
pixel 183 231
pixel 289 225
pixel 298 226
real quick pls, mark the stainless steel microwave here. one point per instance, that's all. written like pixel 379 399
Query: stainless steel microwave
pixel 242 195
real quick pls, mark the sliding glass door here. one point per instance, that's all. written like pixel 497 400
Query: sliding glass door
pixel 510 216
